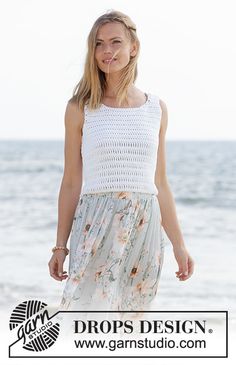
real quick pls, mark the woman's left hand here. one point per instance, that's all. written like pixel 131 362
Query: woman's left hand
pixel 185 263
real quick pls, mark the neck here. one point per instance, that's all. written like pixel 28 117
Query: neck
pixel 111 87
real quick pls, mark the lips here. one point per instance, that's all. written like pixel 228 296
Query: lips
pixel 109 60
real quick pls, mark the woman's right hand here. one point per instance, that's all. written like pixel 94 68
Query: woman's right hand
pixel 56 265
pixel 185 263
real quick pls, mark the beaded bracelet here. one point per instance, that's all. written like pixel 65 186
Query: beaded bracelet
pixel 60 248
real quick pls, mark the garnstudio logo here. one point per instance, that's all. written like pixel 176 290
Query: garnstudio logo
pixel 34 326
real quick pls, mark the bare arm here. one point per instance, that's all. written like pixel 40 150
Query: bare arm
pixel 70 187
pixel 165 196
pixel 72 177
pixel 167 205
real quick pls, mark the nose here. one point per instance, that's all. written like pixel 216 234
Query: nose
pixel 111 54
pixel 107 50
pixel 108 54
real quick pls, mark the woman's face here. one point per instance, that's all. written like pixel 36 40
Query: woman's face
pixel 112 48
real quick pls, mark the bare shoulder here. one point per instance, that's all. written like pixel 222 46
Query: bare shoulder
pixel 164 117
pixel 160 175
pixel 73 139
pixel 74 116
pixel 163 106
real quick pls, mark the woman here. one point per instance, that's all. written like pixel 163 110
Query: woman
pixel 114 197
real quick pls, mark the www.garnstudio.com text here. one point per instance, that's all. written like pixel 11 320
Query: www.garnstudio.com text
pixel 162 343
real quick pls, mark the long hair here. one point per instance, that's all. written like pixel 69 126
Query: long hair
pixel 92 85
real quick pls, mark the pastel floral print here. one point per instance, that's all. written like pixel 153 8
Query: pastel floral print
pixel 116 252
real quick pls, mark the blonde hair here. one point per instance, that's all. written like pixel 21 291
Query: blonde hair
pixel 92 85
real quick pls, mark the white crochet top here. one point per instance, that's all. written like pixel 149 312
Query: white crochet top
pixel 119 147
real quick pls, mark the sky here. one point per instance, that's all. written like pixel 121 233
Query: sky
pixel 187 58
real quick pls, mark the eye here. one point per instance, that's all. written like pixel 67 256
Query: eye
pixel 99 43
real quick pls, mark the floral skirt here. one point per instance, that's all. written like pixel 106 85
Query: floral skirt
pixel 116 252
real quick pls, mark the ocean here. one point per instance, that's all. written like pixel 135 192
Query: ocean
pixel 202 177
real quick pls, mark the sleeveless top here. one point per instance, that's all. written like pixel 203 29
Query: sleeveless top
pixel 119 148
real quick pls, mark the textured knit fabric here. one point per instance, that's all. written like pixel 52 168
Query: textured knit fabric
pixel 119 148
pixel 117 242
